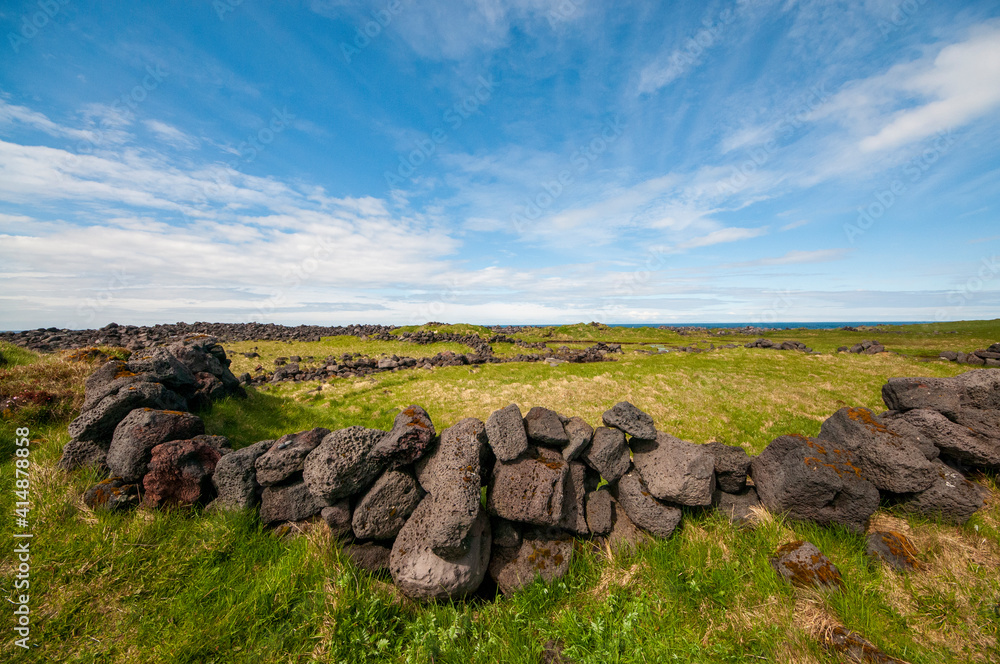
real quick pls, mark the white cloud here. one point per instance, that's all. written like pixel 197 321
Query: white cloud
pixel 171 135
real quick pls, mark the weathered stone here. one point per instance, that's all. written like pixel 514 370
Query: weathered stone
pixel 99 422
pixel 545 427
pixel 161 367
pixel 986 425
pixel 600 518
pixel 506 434
pixel 291 502
pixel 798 475
pixel 342 465
pixel 580 434
pixel 855 647
pixel 419 573
pixel 574 516
pixel 411 437
pixel 382 511
pixel 895 549
pixel 675 470
pixel 235 477
pixel 980 388
pixel 802 564
pixel 544 554
pixel 643 509
pixel 530 489
pixel 180 473
pixel 339 520
pixel 287 456
pixel 143 429
pixel 951 497
pixel 109 378
pixel 626 417
pixel 959 442
pixel 625 535
pixel 505 533
pixel 903 425
pixel 608 454
pixel 83 454
pixel 737 507
pixel 941 394
pixel 370 556
pixel 885 458
pixel 113 495
pixel 731 466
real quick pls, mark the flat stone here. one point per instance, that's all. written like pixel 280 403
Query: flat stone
pixel 675 470
pixel 959 442
pixel 411 437
pixel 530 489
pixel 574 518
pixel 626 417
pixel 580 434
pixel 643 509
pixel 941 394
pixel 608 454
pixel 235 477
pixel 545 427
pixel 600 518
pixel 802 564
pixel 287 456
pixel 893 548
pixel 886 459
pixel 290 502
pixel 732 464
pixel 506 434
pixel 382 511
pixel 342 465
pixel 140 431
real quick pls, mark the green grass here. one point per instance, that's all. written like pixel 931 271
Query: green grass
pixel 459 328
pixel 187 586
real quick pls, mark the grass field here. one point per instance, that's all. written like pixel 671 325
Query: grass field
pixel 186 586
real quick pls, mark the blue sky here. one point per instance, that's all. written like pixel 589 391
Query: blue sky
pixel 519 161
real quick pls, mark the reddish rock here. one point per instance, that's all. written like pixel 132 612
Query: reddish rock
pixel 180 473
pixel 802 564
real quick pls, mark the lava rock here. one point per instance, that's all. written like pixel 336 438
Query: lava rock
pixel 506 434
pixel 382 511
pixel 113 495
pixel 959 442
pixel 99 422
pixel 161 367
pixel 600 517
pixel 574 517
pixel 675 470
pixel 419 573
pixel 291 502
pixel 530 489
pixel 235 478
pixel 643 509
pixel 545 427
pixel 411 437
pixel 626 417
pixel 895 549
pixel 981 387
pixel 941 394
pixel 737 507
pixel 83 454
pixel 802 564
pixel 580 434
pixel 732 464
pixel 339 519
pixel 951 497
pixel 904 424
pixel 544 554
pixel 180 473
pixel 798 475
pixel 287 456
pixel 505 533
pixel 369 556
pixel 608 454
pixel 342 465
pixel 885 458
pixel 143 429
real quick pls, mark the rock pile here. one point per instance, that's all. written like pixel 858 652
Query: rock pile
pixel 509 497
pixel 784 345
pixel 989 357
pixel 868 347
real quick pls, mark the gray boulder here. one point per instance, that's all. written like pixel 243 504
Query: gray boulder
pixel 626 417
pixel 904 424
pixel 287 456
pixel 98 423
pixel 959 442
pixel 545 427
pixel 161 367
pixel 608 454
pixel 370 556
pixel 143 429
pixel 419 573
pixel 382 511
pixel 980 388
pixel 675 470
pixel 339 519
pixel 109 378
pixel 235 477
pixel 736 506
pixel 83 454
pixel 951 497
pixel 506 434
pixel 292 502
pixel 886 459
pixel 732 464
pixel 342 465
pixel 574 515
pixel 530 489
pixel 411 437
pixel 985 424
pixel 600 517
pixel 798 475
pixel 544 553
pixel 941 394
pixel 580 434
pixel 643 509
